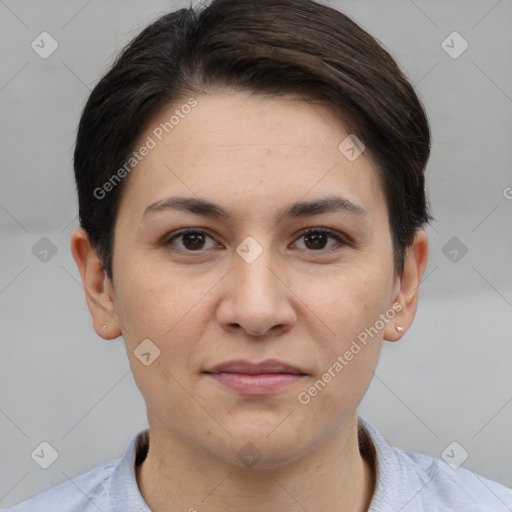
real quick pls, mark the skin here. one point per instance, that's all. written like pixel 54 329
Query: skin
pixel 297 302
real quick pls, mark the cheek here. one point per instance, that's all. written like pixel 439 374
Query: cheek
pixel 167 308
pixel 151 306
pixel 346 303
pixel 349 350
pixel 345 311
pixel 148 301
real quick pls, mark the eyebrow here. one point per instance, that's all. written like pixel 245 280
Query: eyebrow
pixel 295 210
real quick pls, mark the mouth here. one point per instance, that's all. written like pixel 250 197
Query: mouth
pixel 250 378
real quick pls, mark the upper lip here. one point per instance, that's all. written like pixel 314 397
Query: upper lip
pixel 267 366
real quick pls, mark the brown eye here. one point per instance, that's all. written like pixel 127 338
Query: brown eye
pixel 191 240
pixel 316 239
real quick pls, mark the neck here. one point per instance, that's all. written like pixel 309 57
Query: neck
pixel 335 476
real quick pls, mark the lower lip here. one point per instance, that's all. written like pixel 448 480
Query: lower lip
pixel 256 384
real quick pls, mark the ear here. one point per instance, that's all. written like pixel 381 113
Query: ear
pixel 407 289
pixel 99 292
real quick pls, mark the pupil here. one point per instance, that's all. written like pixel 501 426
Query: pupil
pixel 315 238
pixel 196 240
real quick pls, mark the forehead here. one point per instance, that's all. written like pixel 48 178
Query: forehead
pixel 234 145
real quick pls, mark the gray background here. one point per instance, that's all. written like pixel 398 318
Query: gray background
pixel 449 378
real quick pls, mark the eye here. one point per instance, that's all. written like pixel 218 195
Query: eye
pixel 193 240
pixel 317 238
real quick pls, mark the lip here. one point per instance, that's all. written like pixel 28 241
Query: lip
pixel 251 378
pixel 248 367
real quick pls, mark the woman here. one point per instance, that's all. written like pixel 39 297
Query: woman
pixel 252 204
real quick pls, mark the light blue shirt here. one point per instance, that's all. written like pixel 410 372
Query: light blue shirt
pixel 406 482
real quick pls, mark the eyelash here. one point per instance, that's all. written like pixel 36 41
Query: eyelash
pixel 331 234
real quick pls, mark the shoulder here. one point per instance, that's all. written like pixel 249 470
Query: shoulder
pixel 416 482
pixel 84 493
pixel 453 488
pixel 107 487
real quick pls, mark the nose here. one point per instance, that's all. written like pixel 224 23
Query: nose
pixel 256 298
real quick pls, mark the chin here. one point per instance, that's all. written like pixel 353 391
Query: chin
pixel 262 448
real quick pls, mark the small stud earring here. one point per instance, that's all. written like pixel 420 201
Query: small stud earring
pixel 399 328
pixel 104 326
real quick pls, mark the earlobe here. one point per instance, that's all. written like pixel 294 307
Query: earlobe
pixel 415 262
pixel 98 290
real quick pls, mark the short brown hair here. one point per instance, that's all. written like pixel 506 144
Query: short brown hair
pixel 269 47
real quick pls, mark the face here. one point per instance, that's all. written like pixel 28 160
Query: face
pixel 248 284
